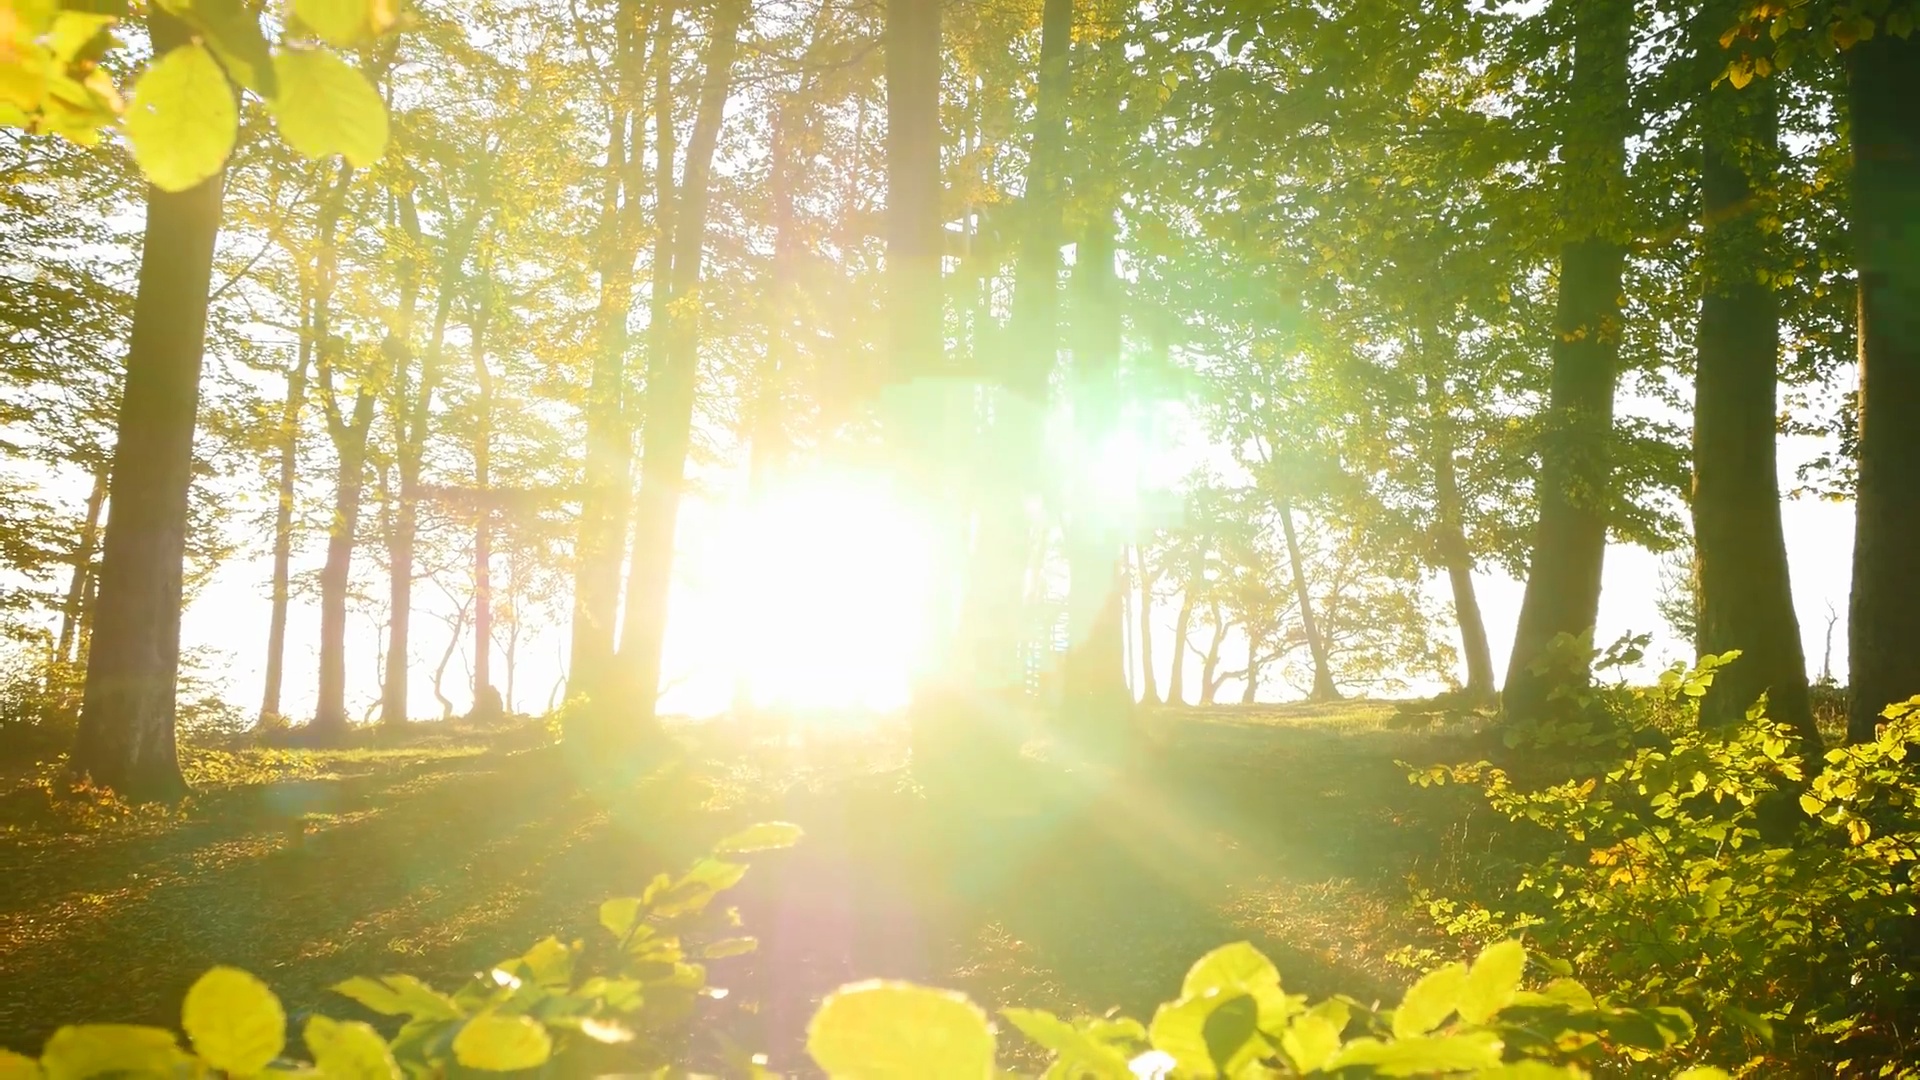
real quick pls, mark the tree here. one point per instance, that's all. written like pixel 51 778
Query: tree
pixel 1570 532
pixel 673 378
pixel 1745 600
pixel 1883 620
pixel 126 735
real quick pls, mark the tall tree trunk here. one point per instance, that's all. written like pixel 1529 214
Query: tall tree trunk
pixel 1096 698
pixel 1323 685
pixel 672 384
pixel 82 568
pixel 282 591
pixel 483 510
pixel 126 738
pixel 603 522
pixel 1210 662
pixel 1570 534
pixel 1182 627
pixel 1746 601
pixel 1149 682
pixel 1450 542
pixel 1252 688
pixel 336 575
pixel 411 418
pixel 349 438
pixel 994 622
pixel 1883 623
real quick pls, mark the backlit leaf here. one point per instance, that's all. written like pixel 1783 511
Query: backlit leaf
pixel 234 1021
pixel 502 1043
pixel 18 1066
pixel 399 995
pixel 875 1030
pixel 338 22
pixel 1492 981
pixel 349 1050
pixel 182 119
pixel 766 836
pixel 89 1050
pixel 327 107
pixel 1430 1001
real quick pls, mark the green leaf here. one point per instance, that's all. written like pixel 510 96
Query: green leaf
pixel 234 1021
pixel 875 1030
pixel 502 1043
pixel 82 1051
pixel 1241 967
pixel 1310 1041
pixel 1213 1034
pixel 338 22
pixel 1077 1051
pixel 1492 981
pixel 1430 1001
pixel 232 29
pixel 1422 1055
pixel 1235 966
pixel 766 836
pixel 620 914
pixel 725 947
pixel 349 1050
pixel 399 995
pixel 182 119
pixel 327 107
pixel 548 963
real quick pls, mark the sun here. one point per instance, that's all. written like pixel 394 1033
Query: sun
pixel 830 601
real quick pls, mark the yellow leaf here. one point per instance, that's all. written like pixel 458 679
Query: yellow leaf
pixel 894 1030
pixel 234 1021
pixel 325 107
pixel 83 1051
pixel 349 1050
pixel 183 119
pixel 1492 981
pixel 18 1066
pixel 1429 1001
pixel 502 1043
pixel 338 22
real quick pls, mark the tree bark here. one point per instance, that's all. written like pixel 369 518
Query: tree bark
pixel 1210 661
pixel 997 595
pixel 349 438
pixel 82 568
pixel 281 589
pixel 1149 682
pixel 1096 700
pixel 126 732
pixel 1883 624
pixel 411 419
pixel 672 386
pixel 1323 685
pixel 483 511
pixel 336 575
pixel 1182 627
pixel 1252 688
pixel 1450 540
pixel 603 524
pixel 1746 601
pixel 1570 533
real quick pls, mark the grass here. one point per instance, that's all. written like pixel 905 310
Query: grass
pixel 1076 889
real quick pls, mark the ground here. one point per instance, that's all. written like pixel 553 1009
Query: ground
pixel 1075 889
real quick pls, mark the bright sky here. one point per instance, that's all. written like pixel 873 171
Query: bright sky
pixel 813 599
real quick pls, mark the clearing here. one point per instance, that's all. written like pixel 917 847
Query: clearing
pixel 1290 826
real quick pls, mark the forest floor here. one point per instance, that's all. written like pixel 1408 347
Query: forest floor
pixel 1290 826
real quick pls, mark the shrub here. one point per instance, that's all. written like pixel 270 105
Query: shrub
pixel 625 1003
pixel 1669 863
